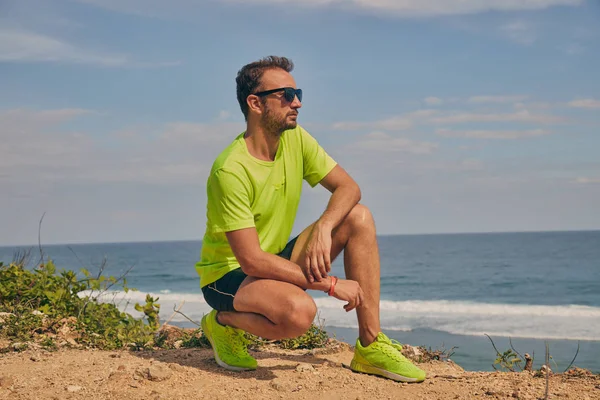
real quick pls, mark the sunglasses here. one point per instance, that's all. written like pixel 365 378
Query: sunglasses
pixel 288 93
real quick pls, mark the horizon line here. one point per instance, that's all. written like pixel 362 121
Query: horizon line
pixel 378 235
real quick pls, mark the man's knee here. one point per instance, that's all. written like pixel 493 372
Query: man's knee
pixel 360 218
pixel 298 316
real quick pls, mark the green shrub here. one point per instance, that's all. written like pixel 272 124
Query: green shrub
pixel 56 308
pixel 314 338
pixel 44 305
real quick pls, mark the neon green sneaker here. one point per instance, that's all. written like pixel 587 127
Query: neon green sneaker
pixel 383 358
pixel 229 344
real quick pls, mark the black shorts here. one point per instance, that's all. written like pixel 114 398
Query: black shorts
pixel 219 294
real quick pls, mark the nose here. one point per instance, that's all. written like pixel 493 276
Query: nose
pixel 296 103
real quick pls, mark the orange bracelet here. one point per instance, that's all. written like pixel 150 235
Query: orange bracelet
pixel 334 280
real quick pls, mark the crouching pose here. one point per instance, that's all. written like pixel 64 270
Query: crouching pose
pixel 253 278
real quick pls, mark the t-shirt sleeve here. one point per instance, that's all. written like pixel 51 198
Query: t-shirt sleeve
pixel 229 202
pixel 317 163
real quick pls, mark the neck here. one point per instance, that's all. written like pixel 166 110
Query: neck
pixel 261 143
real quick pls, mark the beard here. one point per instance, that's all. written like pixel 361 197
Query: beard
pixel 276 124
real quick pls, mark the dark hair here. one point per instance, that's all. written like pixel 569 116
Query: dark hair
pixel 249 77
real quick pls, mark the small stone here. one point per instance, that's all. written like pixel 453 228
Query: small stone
pixel 303 367
pixel 177 367
pixel 158 373
pixel 411 352
pixel 19 346
pixel 278 385
pixel 544 369
pixel 73 388
pixel 178 344
pixel 6 381
pixel 114 355
pixel 120 367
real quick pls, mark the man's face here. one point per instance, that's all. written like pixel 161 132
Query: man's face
pixel 278 114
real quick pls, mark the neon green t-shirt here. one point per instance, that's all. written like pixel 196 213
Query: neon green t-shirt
pixel 245 192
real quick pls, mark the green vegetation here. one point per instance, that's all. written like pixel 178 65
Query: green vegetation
pixel 54 308
pixel 44 305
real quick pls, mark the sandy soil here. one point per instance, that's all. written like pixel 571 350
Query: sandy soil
pixel 193 374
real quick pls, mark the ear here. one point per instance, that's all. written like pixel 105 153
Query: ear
pixel 254 104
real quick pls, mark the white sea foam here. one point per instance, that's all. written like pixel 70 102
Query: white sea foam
pixel 573 322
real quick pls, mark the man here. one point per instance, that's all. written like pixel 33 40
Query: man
pixel 250 276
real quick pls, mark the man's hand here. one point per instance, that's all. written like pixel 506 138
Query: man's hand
pixel 349 291
pixel 318 253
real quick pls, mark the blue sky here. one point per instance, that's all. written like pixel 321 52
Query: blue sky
pixel 470 116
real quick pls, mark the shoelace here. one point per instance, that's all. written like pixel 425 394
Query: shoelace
pixel 238 341
pixel 396 353
pixel 396 344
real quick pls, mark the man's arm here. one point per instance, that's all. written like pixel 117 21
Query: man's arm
pixel 260 264
pixel 345 195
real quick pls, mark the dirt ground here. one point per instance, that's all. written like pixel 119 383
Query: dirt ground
pixel 193 374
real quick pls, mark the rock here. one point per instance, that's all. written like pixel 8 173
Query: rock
pixel 178 344
pixel 411 352
pixel 120 367
pixel 176 367
pixel 575 371
pixel 155 373
pixel 4 316
pixel 303 367
pixel 37 312
pixel 545 369
pixel 6 381
pixel 19 346
pixel 279 385
pixel 73 388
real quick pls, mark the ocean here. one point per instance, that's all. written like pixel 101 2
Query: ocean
pixel 439 290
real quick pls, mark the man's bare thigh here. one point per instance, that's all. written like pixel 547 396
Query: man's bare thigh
pixel 268 297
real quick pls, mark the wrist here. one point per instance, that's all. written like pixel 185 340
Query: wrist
pixel 324 285
pixel 325 224
pixel 334 280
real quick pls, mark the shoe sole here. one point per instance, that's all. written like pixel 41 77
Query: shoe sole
pixel 217 359
pixel 371 370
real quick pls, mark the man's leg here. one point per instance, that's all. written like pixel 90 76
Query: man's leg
pixel 275 310
pixel 375 353
pixel 270 309
pixel 355 235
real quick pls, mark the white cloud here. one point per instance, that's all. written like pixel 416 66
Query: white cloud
pixel 585 103
pixel 224 115
pixel 395 123
pixel 492 134
pixel 587 181
pixel 382 142
pixel 24 46
pixel 518 116
pixel 573 48
pixel 402 8
pixel 496 99
pixel 37 148
pixel 398 123
pixel 520 32
pixel 433 101
pixel 408 120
